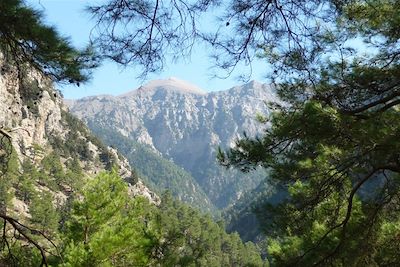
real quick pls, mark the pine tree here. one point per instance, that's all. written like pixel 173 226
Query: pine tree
pixel 334 146
pixel 108 227
pixel 44 215
pixel 27 42
pixel 7 178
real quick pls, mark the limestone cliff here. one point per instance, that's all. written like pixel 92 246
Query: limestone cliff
pixel 33 117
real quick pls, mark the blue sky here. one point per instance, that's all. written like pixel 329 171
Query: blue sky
pixel 71 20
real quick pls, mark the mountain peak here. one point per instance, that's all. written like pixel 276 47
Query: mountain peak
pixel 174 84
pixel 170 84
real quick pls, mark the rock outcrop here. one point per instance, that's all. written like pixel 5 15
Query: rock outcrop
pixel 33 116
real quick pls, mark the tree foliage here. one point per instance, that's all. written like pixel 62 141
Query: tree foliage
pixel 334 145
pixel 290 33
pixel 144 32
pixel 12 251
pixel 27 42
pixel 187 238
pixel 109 228
pixel 102 225
pixel 158 173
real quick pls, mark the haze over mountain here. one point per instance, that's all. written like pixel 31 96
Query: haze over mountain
pixel 186 125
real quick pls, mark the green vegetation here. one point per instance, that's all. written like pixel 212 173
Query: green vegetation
pixel 52 173
pixel 158 173
pixel 26 42
pixel 33 227
pixel 234 182
pixel 189 238
pixel 25 181
pixel 44 215
pixel 334 147
pixel 8 172
pixel 241 217
pixel 104 226
pixel 76 143
pixel 75 221
pixel 30 95
pixel 109 228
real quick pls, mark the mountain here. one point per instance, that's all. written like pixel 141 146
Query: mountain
pixel 170 84
pixel 43 148
pixel 247 216
pixel 149 165
pixel 58 207
pixel 185 125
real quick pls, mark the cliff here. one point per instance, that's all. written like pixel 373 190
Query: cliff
pixel 34 119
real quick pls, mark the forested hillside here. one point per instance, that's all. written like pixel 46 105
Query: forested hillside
pixel 159 174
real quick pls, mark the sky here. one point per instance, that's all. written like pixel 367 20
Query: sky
pixel 69 17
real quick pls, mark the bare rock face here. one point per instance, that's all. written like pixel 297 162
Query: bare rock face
pixel 139 189
pixel 28 112
pixel 186 125
pixel 32 113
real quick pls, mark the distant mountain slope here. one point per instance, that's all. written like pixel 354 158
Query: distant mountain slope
pixel 184 124
pixel 242 216
pixel 158 173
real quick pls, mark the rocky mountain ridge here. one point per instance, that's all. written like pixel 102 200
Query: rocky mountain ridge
pixel 186 125
pixel 35 120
